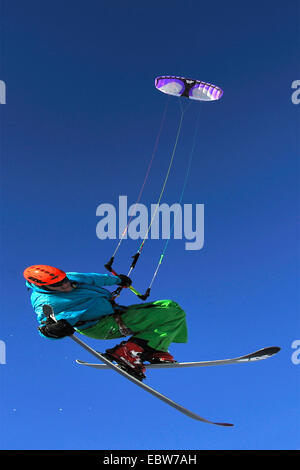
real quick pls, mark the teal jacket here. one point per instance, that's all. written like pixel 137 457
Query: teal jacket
pixel 86 303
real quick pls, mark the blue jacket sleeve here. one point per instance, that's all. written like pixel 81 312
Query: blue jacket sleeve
pixel 95 279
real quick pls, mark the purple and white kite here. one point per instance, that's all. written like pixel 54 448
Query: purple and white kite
pixel 192 89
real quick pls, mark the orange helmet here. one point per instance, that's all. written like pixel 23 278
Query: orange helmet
pixel 43 275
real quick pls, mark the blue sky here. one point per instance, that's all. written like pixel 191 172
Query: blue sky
pixel 78 130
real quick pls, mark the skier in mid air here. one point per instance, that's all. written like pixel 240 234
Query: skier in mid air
pixel 81 303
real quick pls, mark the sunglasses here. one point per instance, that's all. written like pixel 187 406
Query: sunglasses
pixel 60 283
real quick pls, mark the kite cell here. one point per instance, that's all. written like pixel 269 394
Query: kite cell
pixel 192 89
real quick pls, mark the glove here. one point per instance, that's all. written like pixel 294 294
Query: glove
pixel 125 280
pixel 56 330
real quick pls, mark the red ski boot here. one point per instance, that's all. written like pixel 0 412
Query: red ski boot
pixel 128 355
pixel 160 357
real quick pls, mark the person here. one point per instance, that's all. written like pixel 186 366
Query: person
pixel 81 303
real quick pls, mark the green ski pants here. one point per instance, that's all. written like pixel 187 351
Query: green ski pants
pixel 160 323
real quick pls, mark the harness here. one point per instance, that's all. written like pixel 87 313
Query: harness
pixel 118 311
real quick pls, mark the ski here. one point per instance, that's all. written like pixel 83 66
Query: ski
pixel 252 357
pixel 48 311
pixel 145 387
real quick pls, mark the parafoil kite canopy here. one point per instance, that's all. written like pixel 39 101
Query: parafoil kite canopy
pixel 192 89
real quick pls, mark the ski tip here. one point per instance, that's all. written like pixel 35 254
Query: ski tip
pixel 270 351
pixel 273 349
pixel 263 353
pixel 224 424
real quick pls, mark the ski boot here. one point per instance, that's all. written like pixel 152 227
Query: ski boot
pixel 160 357
pixel 129 356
